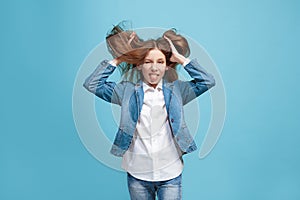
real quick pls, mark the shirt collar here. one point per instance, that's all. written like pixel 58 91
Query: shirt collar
pixel 148 87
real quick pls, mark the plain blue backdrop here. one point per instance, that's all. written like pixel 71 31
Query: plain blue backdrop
pixel 255 45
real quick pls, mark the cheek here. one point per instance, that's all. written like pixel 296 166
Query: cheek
pixel 165 69
pixel 143 72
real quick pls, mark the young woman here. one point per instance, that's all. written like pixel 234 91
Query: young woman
pixel 152 135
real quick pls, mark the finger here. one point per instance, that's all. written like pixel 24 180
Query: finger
pixel 168 40
pixel 171 43
pixel 132 35
pixel 173 48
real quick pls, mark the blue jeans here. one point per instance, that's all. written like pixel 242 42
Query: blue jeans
pixel 147 190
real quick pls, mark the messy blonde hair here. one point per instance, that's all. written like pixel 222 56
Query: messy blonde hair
pixel 131 51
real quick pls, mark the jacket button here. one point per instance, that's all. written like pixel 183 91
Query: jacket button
pixel 172 120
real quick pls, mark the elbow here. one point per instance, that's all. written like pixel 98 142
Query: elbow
pixel 87 85
pixel 211 82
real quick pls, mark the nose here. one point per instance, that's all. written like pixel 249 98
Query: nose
pixel 154 67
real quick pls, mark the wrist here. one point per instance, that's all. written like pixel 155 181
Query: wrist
pixel 115 61
pixel 182 60
pixel 187 61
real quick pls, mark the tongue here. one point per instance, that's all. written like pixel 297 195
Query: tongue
pixel 153 77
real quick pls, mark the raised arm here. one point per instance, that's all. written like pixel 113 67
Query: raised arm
pixel 202 80
pixel 97 83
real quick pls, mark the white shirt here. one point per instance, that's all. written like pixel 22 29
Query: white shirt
pixel 153 155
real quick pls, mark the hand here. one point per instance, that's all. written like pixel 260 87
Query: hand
pixel 118 60
pixel 176 57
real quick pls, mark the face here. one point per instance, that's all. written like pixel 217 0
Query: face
pixel 154 67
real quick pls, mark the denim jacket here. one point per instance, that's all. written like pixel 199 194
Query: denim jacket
pixel 130 97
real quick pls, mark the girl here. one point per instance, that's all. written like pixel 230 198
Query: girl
pixel 152 135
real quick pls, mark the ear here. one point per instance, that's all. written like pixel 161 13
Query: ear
pixel 167 68
pixel 139 67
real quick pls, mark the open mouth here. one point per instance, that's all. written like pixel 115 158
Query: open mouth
pixel 153 77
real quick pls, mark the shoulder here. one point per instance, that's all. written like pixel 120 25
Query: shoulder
pixel 126 83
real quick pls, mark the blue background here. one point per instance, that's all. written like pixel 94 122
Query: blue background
pixel 255 45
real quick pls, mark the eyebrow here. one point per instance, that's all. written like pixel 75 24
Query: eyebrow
pixel 149 59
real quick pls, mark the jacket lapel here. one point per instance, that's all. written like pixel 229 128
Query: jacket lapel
pixel 139 95
pixel 167 90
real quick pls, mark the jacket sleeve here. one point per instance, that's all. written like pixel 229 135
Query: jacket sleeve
pixel 97 84
pixel 201 82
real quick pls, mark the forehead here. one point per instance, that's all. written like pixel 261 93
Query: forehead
pixel 155 54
